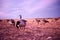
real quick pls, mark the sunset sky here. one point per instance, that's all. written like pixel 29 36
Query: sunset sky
pixel 29 8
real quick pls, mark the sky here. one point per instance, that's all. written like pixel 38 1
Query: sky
pixel 29 8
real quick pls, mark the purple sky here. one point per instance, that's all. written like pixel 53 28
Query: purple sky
pixel 29 8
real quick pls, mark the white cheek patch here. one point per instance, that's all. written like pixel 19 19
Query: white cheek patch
pixel 10 22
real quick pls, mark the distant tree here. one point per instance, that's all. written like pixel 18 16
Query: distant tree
pixel 37 20
pixel 45 21
pixel 1 20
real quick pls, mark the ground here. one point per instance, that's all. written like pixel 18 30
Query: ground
pixel 43 31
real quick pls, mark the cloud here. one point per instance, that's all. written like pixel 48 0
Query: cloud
pixel 29 7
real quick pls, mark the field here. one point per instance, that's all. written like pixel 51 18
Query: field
pixel 36 29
